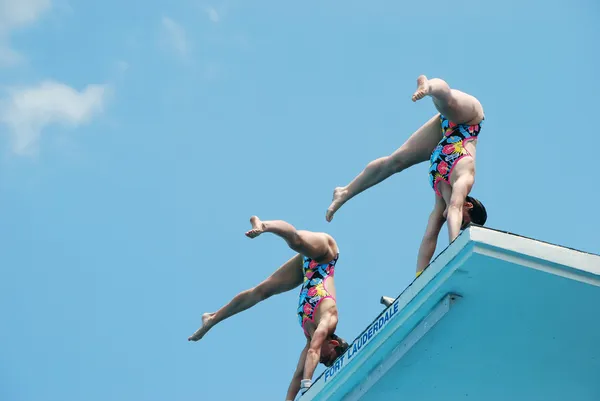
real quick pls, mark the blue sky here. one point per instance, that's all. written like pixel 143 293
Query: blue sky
pixel 137 138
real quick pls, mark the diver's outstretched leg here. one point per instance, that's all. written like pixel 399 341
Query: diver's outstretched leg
pixel 318 246
pixel 456 106
pixel 416 149
pixel 287 277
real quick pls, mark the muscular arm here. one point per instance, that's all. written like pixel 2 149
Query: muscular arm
pixel 429 242
pixel 460 190
pixel 295 383
pixel 326 326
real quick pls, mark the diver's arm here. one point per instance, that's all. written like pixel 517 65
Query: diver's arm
pixel 297 378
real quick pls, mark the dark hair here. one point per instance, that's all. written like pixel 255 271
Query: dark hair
pixel 340 349
pixel 478 213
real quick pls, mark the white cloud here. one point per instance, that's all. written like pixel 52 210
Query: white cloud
pixel 29 110
pixel 175 36
pixel 213 15
pixel 15 14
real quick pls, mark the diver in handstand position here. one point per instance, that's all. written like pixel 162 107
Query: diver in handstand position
pixel 312 269
pixel 448 141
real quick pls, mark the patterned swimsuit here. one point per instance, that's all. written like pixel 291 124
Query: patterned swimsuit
pixel 450 150
pixel 313 290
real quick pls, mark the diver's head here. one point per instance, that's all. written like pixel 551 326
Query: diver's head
pixel 333 347
pixel 473 212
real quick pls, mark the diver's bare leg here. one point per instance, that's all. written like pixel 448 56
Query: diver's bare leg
pixel 457 106
pixel 286 278
pixel 416 149
pixel 318 246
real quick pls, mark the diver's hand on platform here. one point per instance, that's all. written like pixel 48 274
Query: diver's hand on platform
pixel 305 385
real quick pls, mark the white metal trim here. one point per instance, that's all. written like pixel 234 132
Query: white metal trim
pixel 569 273
pixel 537 249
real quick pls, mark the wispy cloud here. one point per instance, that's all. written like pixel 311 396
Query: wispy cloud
pixel 174 36
pixel 15 14
pixel 29 110
pixel 213 15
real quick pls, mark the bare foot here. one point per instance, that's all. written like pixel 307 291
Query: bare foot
pixel 422 88
pixel 206 325
pixel 339 198
pixel 258 227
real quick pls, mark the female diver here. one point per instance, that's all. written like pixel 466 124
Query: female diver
pixel 448 141
pixel 312 269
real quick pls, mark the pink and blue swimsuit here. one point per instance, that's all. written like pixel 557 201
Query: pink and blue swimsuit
pixel 313 289
pixel 450 150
